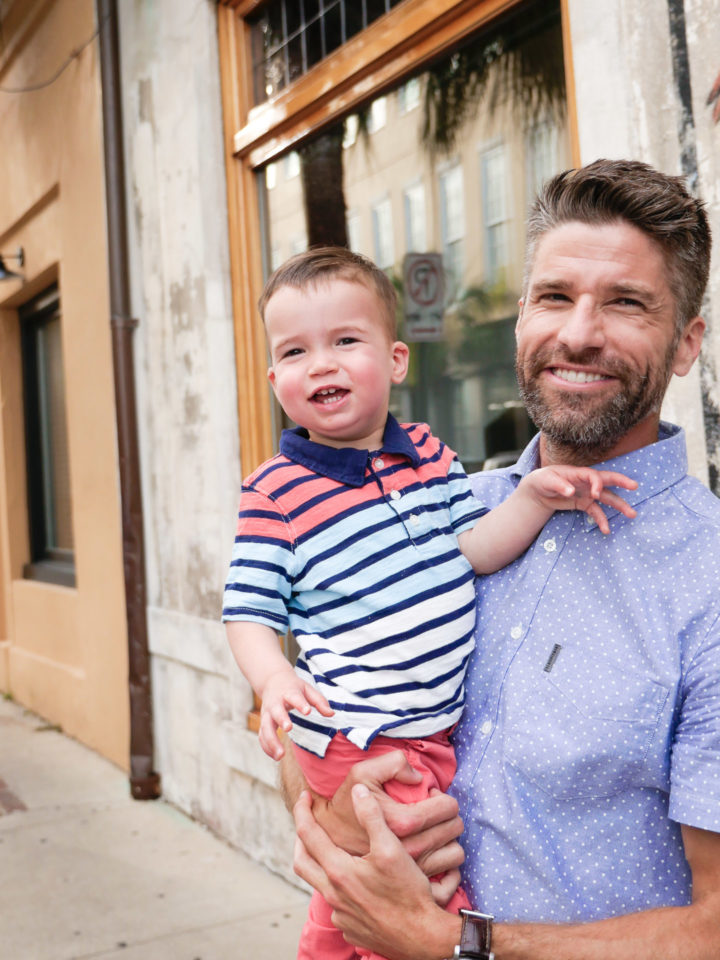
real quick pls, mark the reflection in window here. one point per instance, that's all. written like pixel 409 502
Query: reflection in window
pixel 377 117
pixel 452 220
pixel 353 230
pixel 542 154
pixel 503 89
pixel 415 224
pixel 409 96
pixel 291 165
pixel 493 167
pixel 383 234
pixel 46 443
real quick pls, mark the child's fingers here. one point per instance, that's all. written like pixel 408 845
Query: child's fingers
pixel 612 479
pixel 298 701
pixel 613 500
pixel 318 701
pixel 268 737
pixel 598 516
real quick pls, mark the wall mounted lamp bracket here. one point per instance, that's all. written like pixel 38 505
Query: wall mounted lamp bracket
pixel 6 274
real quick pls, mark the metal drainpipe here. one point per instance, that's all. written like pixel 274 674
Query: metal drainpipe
pixel 689 164
pixel 144 781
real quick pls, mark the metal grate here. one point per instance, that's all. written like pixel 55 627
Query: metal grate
pixel 290 36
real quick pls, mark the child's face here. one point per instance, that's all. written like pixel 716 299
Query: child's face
pixel 333 362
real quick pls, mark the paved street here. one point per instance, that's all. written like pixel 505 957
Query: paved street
pixel 86 872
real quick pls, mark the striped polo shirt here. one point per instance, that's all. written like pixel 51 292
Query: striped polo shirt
pixel 356 552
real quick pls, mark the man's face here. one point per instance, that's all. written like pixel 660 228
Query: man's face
pixel 596 342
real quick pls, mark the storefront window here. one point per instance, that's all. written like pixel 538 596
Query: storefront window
pixel 433 181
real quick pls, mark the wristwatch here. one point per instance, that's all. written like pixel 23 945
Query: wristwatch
pixel 475 936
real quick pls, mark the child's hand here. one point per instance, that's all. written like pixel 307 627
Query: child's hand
pixel 282 691
pixel 564 487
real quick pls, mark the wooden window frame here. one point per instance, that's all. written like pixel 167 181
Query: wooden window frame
pixel 398 44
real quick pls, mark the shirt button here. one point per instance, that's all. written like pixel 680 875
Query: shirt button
pixel 395 494
pixel 414 519
pixel 379 464
pixel 516 633
pixel 486 728
pixel 550 545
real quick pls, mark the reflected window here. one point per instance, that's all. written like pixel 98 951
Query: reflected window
pixel 383 246
pixel 486 125
pixel 46 443
pixel 452 219
pixel 493 167
pixel 415 225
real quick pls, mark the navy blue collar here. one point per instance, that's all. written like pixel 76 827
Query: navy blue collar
pixel 344 464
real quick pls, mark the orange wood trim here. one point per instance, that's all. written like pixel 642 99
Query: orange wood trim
pixel 404 40
pixel 570 84
pixel 254 409
pixel 242 7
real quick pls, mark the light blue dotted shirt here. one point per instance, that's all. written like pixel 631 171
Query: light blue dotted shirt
pixel 592 721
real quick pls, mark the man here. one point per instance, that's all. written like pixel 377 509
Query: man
pixel 589 751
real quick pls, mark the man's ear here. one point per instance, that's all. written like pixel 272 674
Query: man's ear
pixel 400 361
pixel 688 348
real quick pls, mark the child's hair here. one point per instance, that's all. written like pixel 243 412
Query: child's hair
pixel 325 263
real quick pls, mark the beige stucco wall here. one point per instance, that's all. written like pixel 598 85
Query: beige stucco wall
pixel 64 650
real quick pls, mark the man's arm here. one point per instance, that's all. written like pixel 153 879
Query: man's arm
pixel 382 902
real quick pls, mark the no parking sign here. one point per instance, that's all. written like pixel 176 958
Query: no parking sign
pixel 424 288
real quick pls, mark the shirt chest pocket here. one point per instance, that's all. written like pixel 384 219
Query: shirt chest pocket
pixel 583 730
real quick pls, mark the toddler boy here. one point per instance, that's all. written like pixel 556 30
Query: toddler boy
pixel 362 537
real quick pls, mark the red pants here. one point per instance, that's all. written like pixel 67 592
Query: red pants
pixel 433 757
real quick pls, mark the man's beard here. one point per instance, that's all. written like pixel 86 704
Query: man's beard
pixel 583 427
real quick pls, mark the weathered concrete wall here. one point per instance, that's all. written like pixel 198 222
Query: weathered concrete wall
pixel 628 106
pixel 210 765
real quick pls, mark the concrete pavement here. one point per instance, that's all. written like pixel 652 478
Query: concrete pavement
pixel 86 873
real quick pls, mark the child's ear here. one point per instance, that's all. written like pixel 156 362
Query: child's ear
pixel 400 361
pixel 271 376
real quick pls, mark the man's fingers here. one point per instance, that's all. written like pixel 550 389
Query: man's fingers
pixel 388 766
pixel 445 887
pixel 438 809
pixel 370 817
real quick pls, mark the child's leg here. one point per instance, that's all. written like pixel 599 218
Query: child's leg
pixel 432 757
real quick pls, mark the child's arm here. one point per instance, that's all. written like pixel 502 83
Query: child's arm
pixel 508 530
pixel 258 654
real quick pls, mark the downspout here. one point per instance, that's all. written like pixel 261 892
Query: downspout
pixel 144 782
pixel 689 165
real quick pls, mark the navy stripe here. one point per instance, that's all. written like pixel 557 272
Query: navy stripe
pixel 252 613
pixel 427 657
pixel 244 563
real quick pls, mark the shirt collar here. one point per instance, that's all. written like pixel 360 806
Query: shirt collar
pixel 344 464
pixel 655 467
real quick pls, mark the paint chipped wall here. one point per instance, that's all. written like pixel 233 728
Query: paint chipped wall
pixel 211 766
pixel 628 105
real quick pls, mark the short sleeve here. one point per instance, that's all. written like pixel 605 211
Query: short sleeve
pixel 695 761
pixel 259 581
pixel 465 510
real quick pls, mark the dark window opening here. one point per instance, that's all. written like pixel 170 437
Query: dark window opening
pixel 291 36
pixel 52 556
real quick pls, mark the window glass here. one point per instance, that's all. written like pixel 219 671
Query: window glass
pixel 47 459
pixel 451 179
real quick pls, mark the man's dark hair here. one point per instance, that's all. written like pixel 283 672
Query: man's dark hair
pixel 320 264
pixel 660 205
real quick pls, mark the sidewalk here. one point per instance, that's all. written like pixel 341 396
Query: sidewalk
pixel 86 872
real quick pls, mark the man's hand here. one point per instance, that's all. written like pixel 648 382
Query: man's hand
pixel 379 897
pixel 428 829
